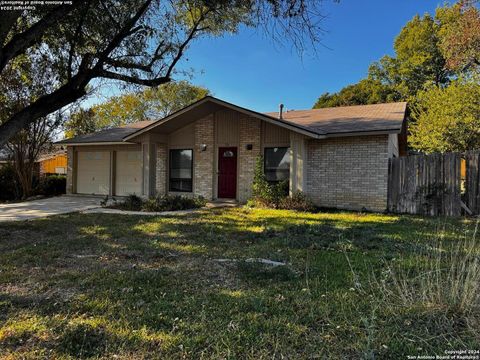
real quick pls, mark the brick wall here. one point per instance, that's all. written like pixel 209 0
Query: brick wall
pixel 250 133
pixel 161 169
pixel 203 161
pixel 70 165
pixel 349 172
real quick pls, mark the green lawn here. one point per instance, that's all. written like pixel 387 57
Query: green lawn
pixel 150 287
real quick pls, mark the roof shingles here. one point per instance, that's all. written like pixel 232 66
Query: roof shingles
pixel 349 119
pixel 115 134
pixel 327 121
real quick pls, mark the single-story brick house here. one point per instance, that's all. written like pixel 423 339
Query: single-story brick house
pixel 337 156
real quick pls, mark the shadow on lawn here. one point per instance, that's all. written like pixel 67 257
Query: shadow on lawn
pixel 153 283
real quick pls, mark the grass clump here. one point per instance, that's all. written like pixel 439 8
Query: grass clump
pixel 83 340
pixel 447 280
pixel 430 300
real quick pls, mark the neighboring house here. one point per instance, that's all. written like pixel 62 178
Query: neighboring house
pixel 336 156
pixel 53 163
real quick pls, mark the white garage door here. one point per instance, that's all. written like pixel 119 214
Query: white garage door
pixel 93 175
pixel 129 173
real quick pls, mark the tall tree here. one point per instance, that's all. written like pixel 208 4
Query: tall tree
pixel 367 91
pixel 428 50
pixel 447 119
pixel 418 59
pixel 168 98
pixel 80 122
pixel 137 42
pixel 460 35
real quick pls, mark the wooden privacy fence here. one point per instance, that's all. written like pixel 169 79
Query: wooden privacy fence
pixel 437 184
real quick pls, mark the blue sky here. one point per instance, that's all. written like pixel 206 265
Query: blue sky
pixel 248 69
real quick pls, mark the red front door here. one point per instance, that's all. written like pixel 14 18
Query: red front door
pixel 227 172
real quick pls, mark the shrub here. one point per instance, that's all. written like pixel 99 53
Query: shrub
pixel 265 194
pixel 173 203
pixel 8 183
pixel 131 203
pixel 159 203
pixel 298 201
pixel 52 185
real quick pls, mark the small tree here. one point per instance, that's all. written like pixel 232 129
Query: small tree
pixel 26 147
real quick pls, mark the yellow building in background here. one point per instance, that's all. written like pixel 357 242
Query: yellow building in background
pixel 53 163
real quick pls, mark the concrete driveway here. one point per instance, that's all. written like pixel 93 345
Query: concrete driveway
pixel 45 207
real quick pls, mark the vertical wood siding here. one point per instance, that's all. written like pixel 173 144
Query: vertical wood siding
pixel 48 166
pixel 227 128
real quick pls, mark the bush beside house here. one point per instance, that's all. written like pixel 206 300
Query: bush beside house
pixel 51 185
pixel 159 203
pixel 8 183
pixel 45 185
pixel 275 195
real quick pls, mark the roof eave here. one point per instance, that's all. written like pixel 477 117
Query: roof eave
pixel 94 143
pixel 360 133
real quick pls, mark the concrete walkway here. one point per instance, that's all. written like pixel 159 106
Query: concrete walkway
pixel 46 207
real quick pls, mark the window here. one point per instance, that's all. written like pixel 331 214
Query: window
pixel 277 164
pixel 181 162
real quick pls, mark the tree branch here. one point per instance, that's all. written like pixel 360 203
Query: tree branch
pixel 22 41
pixel 134 80
pixel 124 32
pixel 66 94
pixel 128 65
pixel 76 37
pixel 74 89
pixel 9 19
pixel 189 38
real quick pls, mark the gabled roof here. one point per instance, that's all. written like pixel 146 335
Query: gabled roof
pixel 315 123
pixel 113 135
pixel 224 104
pixel 350 119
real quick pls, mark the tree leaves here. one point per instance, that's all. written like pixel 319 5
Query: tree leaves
pixel 447 119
